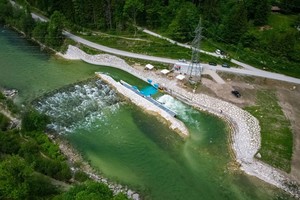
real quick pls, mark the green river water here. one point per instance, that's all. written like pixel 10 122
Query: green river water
pixel 120 140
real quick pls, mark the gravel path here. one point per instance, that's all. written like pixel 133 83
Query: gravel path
pixel 246 133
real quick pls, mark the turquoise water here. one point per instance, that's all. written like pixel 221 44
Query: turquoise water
pixel 149 91
pixel 120 140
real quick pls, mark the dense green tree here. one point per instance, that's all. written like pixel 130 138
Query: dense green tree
pixel 40 31
pixel 250 40
pixel 294 54
pixel 9 143
pixel 5 10
pixel 184 23
pixel 284 45
pixel 18 181
pixel 29 150
pixel 4 122
pixel 27 22
pixel 131 10
pixel 40 187
pixel 55 37
pixel 90 190
pixel 118 17
pixel 14 176
pixel 81 176
pixel 236 24
pixel 210 10
pixel 120 196
pixel 153 13
pixel 258 11
pixel 290 5
pixel 2 97
pixel 53 168
pixel 32 120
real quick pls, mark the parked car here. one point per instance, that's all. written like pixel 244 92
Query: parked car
pixel 218 51
pixel 225 65
pixel 223 52
pixel 236 93
pixel 212 63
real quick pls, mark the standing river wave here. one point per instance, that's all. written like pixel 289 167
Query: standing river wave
pixel 79 106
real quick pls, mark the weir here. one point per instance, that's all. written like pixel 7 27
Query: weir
pixel 147 103
pixel 156 103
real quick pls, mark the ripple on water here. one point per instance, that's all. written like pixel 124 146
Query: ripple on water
pixel 79 106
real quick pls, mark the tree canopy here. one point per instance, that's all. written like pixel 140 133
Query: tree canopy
pixel 31 166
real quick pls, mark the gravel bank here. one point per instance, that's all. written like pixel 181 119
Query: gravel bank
pixel 75 157
pixel 245 137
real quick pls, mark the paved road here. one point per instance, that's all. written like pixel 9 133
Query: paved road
pixel 244 65
pixel 38 17
pixel 258 73
pixel 252 72
pixel 249 70
pixel 116 51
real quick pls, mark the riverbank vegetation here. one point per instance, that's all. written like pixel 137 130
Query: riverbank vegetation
pixel 249 31
pixel 262 33
pixel 276 135
pixel 48 33
pixel 9 104
pixel 32 166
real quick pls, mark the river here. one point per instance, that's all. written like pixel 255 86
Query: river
pixel 124 143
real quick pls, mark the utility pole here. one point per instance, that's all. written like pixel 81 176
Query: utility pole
pixel 195 69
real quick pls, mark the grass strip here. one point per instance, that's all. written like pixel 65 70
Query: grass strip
pixel 276 135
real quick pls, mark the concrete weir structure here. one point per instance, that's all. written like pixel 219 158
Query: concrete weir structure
pixel 173 123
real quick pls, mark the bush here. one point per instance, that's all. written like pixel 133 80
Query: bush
pixel 32 120
pixel 53 168
pixel 81 176
pixel 40 187
pixel 89 190
pixel 4 122
pixel 9 143
pixel 2 97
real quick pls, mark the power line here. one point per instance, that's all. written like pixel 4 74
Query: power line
pixel 195 69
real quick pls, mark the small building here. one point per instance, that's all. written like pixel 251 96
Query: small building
pixel 165 71
pixel 180 77
pixel 275 9
pixel 149 67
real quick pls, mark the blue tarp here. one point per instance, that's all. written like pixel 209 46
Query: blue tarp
pixel 156 85
pixel 149 90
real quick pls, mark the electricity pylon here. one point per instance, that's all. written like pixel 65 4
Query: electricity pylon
pixel 195 69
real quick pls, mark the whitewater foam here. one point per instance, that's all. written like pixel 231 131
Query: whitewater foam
pixel 79 106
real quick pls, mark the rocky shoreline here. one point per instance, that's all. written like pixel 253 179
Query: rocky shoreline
pixel 75 157
pixel 245 137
